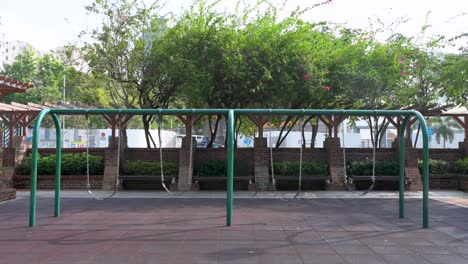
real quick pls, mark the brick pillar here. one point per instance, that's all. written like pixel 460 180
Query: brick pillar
pixel 13 156
pixel 110 165
pixel 412 170
pixel 411 166
pixel 185 172
pixel 335 164
pixel 261 163
pixel 21 146
pixel 464 146
pixel 8 169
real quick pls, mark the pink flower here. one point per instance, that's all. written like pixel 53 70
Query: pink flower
pixel 327 88
pixel 418 65
pixel 123 17
pixel 404 72
pixel 306 77
pixel 400 60
pixel 329 1
pixel 365 38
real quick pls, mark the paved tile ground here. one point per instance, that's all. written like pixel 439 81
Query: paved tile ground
pixel 149 230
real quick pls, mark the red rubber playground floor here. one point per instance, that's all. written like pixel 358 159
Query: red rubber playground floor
pixel 192 230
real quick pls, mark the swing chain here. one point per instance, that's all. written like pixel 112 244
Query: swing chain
pixel 347 180
pixel 300 154
pixel 160 119
pixel 190 170
pixel 273 180
pixel 374 146
pixel 117 178
pixel 88 183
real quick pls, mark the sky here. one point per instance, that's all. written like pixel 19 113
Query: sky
pixel 48 24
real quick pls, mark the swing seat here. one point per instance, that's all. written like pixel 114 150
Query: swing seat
pixel 393 178
pixel 304 178
pixel 217 182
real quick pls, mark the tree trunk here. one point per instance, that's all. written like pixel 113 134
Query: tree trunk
pixel 146 126
pixel 213 132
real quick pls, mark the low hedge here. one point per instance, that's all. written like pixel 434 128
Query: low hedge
pixel 461 166
pixel 291 168
pixel 72 164
pixel 364 168
pixel 219 168
pixel 139 167
pixel 436 166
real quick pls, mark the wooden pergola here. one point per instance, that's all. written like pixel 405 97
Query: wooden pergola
pixel 9 85
pixel 16 115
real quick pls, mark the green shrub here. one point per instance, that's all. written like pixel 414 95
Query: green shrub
pixel 436 166
pixel 461 166
pixel 291 168
pixel 139 167
pixel 364 167
pixel 219 168
pixel 72 164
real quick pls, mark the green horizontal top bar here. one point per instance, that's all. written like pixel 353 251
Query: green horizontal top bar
pixel 138 111
pixel 326 112
pixel 237 111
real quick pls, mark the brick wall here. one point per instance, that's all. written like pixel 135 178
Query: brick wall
pixel 67 182
pixel 244 156
pixel 169 154
pixel 443 182
pixel 240 154
pixel 292 154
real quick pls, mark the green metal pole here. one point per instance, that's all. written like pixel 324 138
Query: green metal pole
pixel 230 180
pixel 402 166
pixel 425 136
pixel 58 164
pixel 35 144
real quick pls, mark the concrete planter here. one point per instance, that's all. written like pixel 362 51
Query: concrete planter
pixel 7 194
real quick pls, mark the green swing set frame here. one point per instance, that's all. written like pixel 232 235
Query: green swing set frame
pixel 407 114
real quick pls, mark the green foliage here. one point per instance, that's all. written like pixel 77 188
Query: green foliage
pixel 461 166
pixel 211 168
pixel 291 168
pixel 364 168
pixel 219 168
pixel 436 166
pixel 139 167
pixel 72 164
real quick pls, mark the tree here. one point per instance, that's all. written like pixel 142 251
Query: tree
pixel 444 128
pixel 124 51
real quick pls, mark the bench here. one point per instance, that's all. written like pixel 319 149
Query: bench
pixel 145 181
pixel 291 182
pixel 219 182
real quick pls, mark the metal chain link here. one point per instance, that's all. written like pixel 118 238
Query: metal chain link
pixel 300 157
pixel 190 170
pixel 374 146
pixel 160 118
pixel 346 178
pixel 117 177
pixel 273 180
